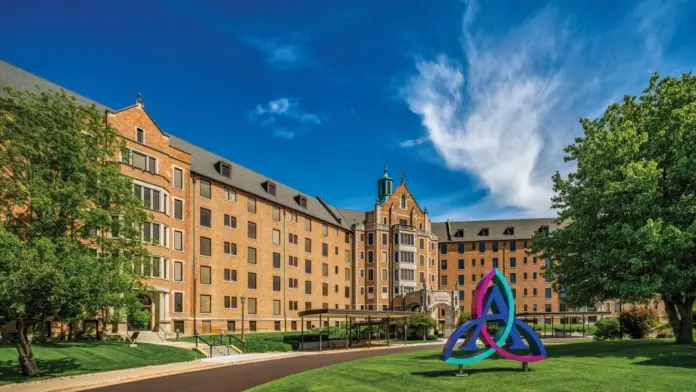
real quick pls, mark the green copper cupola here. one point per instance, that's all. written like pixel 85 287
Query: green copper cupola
pixel 385 187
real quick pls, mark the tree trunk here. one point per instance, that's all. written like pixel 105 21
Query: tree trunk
pixel 26 356
pixel 680 315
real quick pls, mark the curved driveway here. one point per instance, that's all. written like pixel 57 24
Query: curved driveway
pixel 244 376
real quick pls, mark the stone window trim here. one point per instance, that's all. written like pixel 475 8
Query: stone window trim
pixel 147 161
pixel 183 177
pixel 173 304
pixel 183 263
pixel 183 241
pixel 137 128
pixel 183 208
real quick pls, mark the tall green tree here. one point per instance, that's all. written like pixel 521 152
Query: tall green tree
pixel 629 211
pixel 421 321
pixel 69 220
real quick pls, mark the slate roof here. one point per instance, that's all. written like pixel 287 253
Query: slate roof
pixel 523 229
pixel 352 216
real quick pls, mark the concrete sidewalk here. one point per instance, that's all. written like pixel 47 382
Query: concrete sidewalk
pixel 93 380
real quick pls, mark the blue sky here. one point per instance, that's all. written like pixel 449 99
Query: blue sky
pixel 474 101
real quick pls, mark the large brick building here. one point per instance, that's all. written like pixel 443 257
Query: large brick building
pixel 221 232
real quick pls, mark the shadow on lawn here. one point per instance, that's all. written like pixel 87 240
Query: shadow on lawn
pixel 11 372
pixel 470 372
pixel 649 352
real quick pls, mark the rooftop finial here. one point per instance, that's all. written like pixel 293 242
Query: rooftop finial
pixel 385 169
pixel 140 99
pixel 402 176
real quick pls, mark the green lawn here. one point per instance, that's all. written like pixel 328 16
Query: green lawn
pixel 589 329
pixel 71 358
pixel 645 365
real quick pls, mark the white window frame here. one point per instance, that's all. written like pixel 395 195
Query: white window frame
pixel 362 292
pixel 183 301
pixel 183 178
pixel 182 271
pixel 152 187
pixel 164 234
pixel 183 208
pixel 279 236
pixel 230 192
pixel 147 160
pixel 183 241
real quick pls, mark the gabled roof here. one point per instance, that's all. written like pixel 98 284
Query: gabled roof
pixel 202 161
pixel 352 216
pixel 17 78
pixel 524 228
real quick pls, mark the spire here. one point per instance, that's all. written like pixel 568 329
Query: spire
pixel 385 187
pixel 402 176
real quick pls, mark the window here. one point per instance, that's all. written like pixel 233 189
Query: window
pixel 443 249
pixel 178 240
pixel 276 214
pixel 251 255
pixel 460 264
pixel 292 261
pixel 292 305
pixel 308 224
pixel 230 221
pixel 524 244
pixel 251 205
pixel 325 250
pixel 271 189
pixel 276 284
pixel 547 292
pixel 276 260
pixel 495 262
pixel 473 278
pixel 205 274
pixel 140 161
pixel 325 290
pixel 534 292
pixel 251 280
pixel 483 232
pixel 513 278
pixel 205 303
pixel 482 246
pixel 178 302
pixel 403 222
pixel 460 248
pixel 346 292
pixel 547 308
pixel 178 209
pixel 524 292
pixel 230 249
pixel 153 199
pixel 370 274
pixel 362 273
pixel 308 245
pixel 205 246
pixel 534 275
pixel 370 238
pixel 252 310
pixel 292 238
pixel 324 269
pixel 231 326
pixel 178 271
pixel 384 240
pixel 524 276
pixel 205 217
pixel 276 237
pixel 276 311
pixel 251 230
pixel 460 280
pixel 370 257
pixel 308 287
pixel 513 246
pixel 513 262
pixel 292 283
pixel 495 246
pixel 459 233
pixel 230 275
pixel 403 202
pixel 139 135
pixel 524 261
pixel 178 178
pixel 302 201
pixel 205 189
pixel 443 264
pixel 230 195
pixel 324 230
pixel 443 280
pixel 308 266
pixel 225 169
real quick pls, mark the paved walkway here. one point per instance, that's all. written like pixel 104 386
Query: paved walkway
pixel 248 375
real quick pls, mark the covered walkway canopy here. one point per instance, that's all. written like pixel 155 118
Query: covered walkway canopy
pixel 368 317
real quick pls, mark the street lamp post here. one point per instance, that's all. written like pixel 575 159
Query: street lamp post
pixel 243 299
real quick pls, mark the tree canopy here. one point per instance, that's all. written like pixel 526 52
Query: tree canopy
pixel 69 220
pixel 628 213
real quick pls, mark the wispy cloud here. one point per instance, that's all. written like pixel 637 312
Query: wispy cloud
pixel 505 112
pixel 287 52
pixel 281 111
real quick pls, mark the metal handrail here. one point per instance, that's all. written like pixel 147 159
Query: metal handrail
pixel 241 342
pixel 216 346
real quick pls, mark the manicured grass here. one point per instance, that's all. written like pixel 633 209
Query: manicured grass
pixel 72 358
pixel 645 365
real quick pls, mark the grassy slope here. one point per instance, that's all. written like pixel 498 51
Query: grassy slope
pixel 647 365
pixel 65 359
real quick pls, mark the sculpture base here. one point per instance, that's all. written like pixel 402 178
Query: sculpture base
pixel 460 372
pixel 525 367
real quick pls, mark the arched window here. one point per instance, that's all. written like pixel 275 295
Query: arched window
pixel 403 202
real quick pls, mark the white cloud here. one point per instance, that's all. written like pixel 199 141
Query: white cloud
pixel 284 110
pixel 506 111
pixel 287 52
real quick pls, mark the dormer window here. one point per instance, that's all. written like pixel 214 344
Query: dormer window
pixel 270 188
pixel 301 200
pixel 139 135
pixel 483 232
pixel 543 229
pixel 224 168
pixel 509 231
pixel 459 233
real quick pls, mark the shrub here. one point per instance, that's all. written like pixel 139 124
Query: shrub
pixel 431 337
pixel 607 328
pixel 464 317
pixel 638 321
pixel 665 334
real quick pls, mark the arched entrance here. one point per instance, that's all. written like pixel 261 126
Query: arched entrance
pixel 142 322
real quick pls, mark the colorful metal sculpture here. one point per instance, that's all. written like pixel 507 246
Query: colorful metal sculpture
pixel 494 304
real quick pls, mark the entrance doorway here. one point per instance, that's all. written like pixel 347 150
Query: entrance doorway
pixel 142 323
